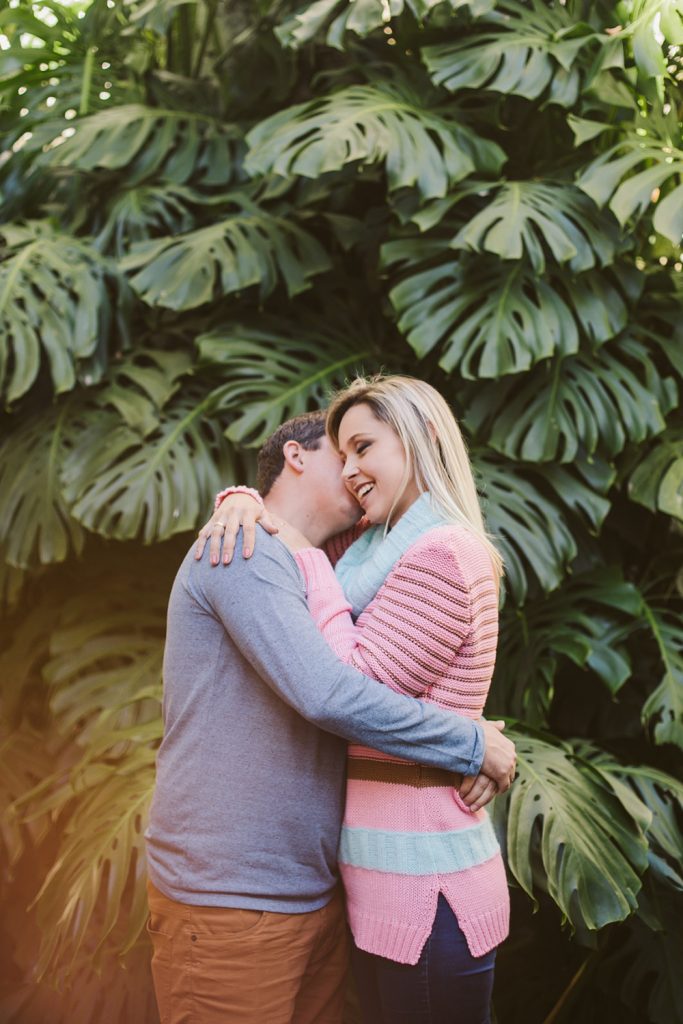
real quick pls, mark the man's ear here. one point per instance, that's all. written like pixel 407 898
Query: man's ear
pixel 293 455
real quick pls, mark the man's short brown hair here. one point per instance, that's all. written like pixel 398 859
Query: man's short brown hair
pixel 307 429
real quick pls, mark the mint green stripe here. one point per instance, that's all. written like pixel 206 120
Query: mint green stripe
pixel 418 853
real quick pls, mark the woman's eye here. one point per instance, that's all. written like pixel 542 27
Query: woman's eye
pixel 361 448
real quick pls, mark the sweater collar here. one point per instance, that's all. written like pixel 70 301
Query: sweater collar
pixel 363 568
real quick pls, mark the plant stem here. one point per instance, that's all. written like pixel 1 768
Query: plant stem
pixel 554 1014
pixel 208 27
pixel 84 105
pixel 184 33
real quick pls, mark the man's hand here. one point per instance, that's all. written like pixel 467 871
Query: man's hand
pixel 237 511
pixel 499 762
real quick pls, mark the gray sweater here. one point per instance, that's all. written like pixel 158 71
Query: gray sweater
pixel 249 795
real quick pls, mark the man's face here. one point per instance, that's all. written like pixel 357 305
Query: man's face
pixel 331 503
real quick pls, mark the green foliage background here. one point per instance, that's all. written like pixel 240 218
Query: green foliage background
pixel 211 213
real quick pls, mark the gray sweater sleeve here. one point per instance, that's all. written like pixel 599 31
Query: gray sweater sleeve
pixel 261 603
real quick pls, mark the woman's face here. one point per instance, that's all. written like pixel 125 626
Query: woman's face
pixel 374 464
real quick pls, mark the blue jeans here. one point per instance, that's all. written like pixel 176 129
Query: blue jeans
pixel 446 986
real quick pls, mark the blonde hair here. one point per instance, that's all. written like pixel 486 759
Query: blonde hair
pixel 435 449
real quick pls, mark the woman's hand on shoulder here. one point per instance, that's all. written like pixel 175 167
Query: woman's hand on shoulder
pixel 237 511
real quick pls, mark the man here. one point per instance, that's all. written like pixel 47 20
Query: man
pixel 246 918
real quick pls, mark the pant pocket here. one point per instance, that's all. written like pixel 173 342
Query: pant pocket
pixel 225 972
pixel 209 925
pixel 162 952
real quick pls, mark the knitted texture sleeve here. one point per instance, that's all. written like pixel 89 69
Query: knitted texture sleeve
pixel 415 625
pixel 326 602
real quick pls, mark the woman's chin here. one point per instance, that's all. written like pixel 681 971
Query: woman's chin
pixel 374 517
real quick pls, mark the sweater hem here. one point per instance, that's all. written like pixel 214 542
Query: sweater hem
pixel 403 942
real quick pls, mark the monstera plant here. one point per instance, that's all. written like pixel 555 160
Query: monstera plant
pixel 213 212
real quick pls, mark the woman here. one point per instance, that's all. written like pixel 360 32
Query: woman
pixel 425 884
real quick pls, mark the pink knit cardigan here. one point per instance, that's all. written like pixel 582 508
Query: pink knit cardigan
pixel 430 632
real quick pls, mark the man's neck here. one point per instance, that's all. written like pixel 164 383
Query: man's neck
pixel 297 515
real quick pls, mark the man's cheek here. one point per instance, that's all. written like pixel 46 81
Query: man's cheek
pixel 355 511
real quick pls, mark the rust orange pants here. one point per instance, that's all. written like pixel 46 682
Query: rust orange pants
pixel 219 965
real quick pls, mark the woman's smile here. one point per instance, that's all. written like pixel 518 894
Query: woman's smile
pixel 363 491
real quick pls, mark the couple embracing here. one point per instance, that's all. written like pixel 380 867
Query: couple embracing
pixel 323 696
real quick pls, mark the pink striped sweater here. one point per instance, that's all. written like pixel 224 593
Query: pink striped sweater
pixel 430 632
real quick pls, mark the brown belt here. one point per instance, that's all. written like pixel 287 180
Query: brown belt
pixel 369 770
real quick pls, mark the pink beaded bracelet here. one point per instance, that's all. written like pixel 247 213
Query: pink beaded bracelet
pixel 237 490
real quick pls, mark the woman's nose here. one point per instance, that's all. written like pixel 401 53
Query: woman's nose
pixel 349 470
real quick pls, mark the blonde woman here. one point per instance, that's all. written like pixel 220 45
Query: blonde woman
pixel 413 603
